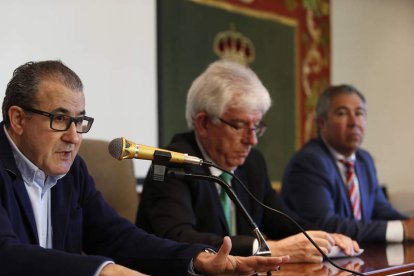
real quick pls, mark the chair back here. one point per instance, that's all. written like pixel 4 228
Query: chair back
pixel 115 179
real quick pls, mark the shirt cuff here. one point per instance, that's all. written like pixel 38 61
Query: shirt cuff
pixel 98 271
pixel 191 269
pixel 395 231
pixel 255 246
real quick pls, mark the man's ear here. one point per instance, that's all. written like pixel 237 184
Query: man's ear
pixel 321 122
pixel 17 119
pixel 201 124
pixel 321 125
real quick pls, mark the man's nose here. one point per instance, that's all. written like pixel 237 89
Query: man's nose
pixel 250 137
pixel 71 134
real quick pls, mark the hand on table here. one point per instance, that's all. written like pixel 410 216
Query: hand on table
pixel 348 246
pixel 223 263
pixel 300 249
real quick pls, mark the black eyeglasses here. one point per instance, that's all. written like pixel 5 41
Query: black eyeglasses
pixel 60 122
pixel 243 129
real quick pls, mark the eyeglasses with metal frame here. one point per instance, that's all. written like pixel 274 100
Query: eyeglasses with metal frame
pixel 61 122
pixel 243 129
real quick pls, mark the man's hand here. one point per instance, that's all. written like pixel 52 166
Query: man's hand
pixel 300 249
pixel 348 246
pixel 223 263
pixel 118 270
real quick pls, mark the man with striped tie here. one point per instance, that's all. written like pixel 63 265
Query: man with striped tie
pixel 332 181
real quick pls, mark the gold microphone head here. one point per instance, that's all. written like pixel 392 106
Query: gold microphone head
pixel 121 148
pixel 129 149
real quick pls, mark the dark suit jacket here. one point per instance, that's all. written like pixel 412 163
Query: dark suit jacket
pixel 82 222
pixel 313 187
pixel 190 210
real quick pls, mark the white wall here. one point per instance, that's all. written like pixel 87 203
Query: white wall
pixel 109 43
pixel 373 48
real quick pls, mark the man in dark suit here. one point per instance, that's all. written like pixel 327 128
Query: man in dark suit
pixel 225 106
pixel 333 182
pixel 52 219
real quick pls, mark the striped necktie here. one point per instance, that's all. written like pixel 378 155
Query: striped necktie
pixel 226 203
pixel 353 190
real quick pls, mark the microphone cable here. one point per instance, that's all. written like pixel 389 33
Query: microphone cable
pixel 207 163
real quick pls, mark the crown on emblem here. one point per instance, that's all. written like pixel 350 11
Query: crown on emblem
pixel 234 46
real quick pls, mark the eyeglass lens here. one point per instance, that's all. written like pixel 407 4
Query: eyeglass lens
pixel 63 122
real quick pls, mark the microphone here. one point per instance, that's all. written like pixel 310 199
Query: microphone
pixel 121 148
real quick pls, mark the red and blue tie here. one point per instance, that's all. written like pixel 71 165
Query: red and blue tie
pixel 353 190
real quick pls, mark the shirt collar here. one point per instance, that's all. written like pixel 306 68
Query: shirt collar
pixel 29 171
pixel 213 170
pixel 337 155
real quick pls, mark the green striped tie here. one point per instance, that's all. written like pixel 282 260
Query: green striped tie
pixel 226 202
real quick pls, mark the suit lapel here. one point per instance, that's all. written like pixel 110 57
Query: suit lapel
pixel 22 197
pixel 339 181
pixel 61 206
pixel 211 188
pixel 217 202
pixel 242 225
pixel 344 190
pixel 26 207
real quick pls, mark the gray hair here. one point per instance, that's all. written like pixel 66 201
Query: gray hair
pixel 22 88
pixel 222 85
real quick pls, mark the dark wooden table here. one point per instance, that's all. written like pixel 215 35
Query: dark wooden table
pixel 372 262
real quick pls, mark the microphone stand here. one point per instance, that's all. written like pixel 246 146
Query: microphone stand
pixel 263 249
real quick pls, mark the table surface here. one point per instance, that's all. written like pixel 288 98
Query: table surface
pixel 373 261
